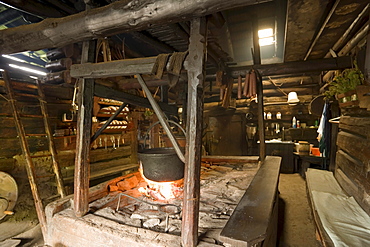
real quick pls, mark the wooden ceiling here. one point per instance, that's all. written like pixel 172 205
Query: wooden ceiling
pixel 304 30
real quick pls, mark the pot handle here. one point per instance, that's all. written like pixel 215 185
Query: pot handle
pixel 169 121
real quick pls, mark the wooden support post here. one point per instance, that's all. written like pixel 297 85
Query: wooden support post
pixel 257 61
pixel 367 60
pixel 256 45
pixel 261 123
pixel 84 124
pixel 195 68
pixel 164 93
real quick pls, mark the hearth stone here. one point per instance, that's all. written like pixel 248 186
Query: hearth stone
pixel 114 221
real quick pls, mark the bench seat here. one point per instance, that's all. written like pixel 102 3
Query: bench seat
pixel 339 219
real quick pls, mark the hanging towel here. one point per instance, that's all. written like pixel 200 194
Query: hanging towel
pixel 324 131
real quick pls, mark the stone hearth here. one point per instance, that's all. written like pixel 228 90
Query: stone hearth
pixel 115 219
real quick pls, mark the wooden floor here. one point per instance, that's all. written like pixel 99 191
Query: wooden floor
pixel 296 225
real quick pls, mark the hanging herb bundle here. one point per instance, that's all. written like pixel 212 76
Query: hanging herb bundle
pixel 346 81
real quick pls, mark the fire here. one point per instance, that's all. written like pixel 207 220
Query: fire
pixel 163 191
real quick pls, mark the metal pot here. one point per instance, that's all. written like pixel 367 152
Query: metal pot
pixel 161 164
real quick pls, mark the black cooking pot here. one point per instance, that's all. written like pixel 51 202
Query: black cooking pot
pixel 161 164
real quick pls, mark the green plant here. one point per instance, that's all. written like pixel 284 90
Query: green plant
pixel 345 81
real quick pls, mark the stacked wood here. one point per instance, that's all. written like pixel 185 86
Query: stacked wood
pixel 59 77
pixel 61 60
pixel 58 53
pixel 61 64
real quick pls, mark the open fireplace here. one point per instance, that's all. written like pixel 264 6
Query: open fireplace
pixel 135 210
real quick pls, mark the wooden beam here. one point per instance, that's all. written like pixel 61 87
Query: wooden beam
pixel 124 67
pixel 118 17
pixel 195 68
pixel 267 85
pixel 84 124
pixel 256 46
pixel 260 110
pixel 131 83
pixel 367 63
pixel 345 51
pixel 107 92
pixel 296 67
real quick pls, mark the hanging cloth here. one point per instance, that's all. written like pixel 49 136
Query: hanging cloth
pixel 324 131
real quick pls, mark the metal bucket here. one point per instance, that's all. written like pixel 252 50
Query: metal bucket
pixel 161 164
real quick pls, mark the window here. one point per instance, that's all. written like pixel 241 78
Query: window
pixel 266 37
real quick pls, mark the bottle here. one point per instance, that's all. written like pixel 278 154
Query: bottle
pixel 294 123
pixel 298 124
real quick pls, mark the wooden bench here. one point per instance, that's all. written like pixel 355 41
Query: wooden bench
pixel 254 220
pixel 340 221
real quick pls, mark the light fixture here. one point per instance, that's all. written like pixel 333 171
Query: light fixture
pixel 34 71
pixel 293 98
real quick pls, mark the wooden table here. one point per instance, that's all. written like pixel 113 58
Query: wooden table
pixel 302 162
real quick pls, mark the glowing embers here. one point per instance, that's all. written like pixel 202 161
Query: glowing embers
pixel 162 191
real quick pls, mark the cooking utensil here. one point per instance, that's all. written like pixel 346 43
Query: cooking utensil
pixel 161 164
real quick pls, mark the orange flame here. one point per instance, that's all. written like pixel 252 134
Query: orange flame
pixel 161 190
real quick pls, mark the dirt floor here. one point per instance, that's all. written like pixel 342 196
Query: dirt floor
pixel 296 225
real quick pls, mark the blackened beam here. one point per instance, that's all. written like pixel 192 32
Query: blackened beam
pixel 295 67
pixel 110 93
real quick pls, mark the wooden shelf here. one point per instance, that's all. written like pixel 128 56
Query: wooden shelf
pixel 60 137
pixel 107 115
pixel 110 103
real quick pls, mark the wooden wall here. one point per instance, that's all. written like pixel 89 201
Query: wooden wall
pixel 353 158
pixel 106 158
pixel 59 101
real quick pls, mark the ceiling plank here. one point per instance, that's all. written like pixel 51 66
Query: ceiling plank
pixel 115 18
pixel 340 21
pixel 303 18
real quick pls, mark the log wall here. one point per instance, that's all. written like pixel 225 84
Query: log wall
pixel 105 160
pixel 353 158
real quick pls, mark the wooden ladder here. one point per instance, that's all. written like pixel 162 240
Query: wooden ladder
pixel 30 168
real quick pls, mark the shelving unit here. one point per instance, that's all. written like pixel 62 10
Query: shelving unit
pixel 121 122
